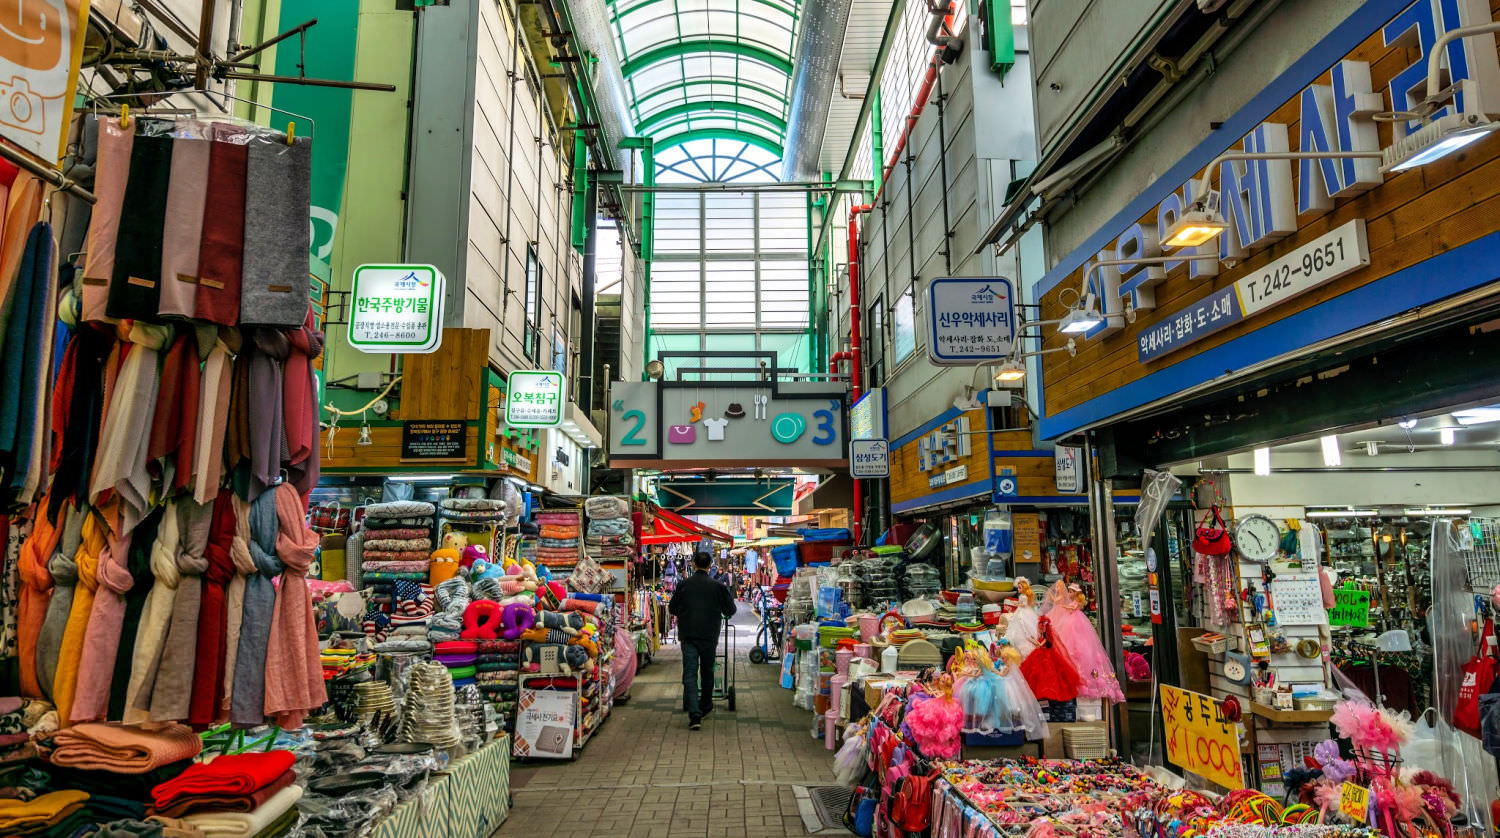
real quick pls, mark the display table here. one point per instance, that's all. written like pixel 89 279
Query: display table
pixel 469 800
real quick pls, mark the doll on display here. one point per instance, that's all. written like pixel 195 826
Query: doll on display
pixel 1048 670
pixel 1021 628
pixel 1073 631
pixel 981 693
pixel 1025 711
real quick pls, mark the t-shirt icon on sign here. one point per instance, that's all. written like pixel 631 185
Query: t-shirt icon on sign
pixel 715 429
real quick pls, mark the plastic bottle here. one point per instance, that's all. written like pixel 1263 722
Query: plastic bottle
pixel 888 659
pixel 965 606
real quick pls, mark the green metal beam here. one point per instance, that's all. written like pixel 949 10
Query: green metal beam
pixel 718 134
pixel 685 49
pixel 745 85
pixel 708 109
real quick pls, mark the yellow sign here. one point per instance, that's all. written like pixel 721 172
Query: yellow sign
pixel 1200 739
pixel 1354 801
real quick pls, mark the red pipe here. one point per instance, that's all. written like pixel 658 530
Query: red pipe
pixel 856 337
pixel 925 91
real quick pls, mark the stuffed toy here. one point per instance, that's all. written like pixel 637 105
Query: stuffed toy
pixel 535 654
pixel 539 635
pixel 568 623
pixel 515 619
pixel 576 657
pixel 444 566
pixel 474 553
pixel 551 595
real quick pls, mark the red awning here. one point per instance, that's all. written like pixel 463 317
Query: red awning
pixel 670 528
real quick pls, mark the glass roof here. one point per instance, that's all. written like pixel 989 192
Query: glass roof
pixel 708 68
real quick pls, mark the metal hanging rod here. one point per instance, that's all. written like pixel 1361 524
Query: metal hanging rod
pixel 55 177
pixel 809 186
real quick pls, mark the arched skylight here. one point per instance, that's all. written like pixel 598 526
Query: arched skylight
pixel 715 160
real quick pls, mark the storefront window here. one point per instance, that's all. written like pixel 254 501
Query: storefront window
pixel 904 326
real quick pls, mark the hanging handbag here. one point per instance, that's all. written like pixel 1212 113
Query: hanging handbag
pixel 1211 538
pixel 1478 674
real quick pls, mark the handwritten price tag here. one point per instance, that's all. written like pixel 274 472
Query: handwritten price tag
pixel 1199 738
pixel 1354 801
pixel 1350 608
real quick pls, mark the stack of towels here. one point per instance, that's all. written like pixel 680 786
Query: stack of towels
pixel 498 665
pixel 609 537
pixel 250 794
pixel 558 539
pixel 460 656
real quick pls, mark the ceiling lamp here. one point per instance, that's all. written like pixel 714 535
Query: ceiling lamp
pixel 1010 372
pixel 1477 415
pixel 1083 318
pixel 1447 436
pixel 1331 455
pixel 1436 140
pixel 1350 512
pixel 1263 461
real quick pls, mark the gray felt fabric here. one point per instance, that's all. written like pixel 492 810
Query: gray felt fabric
pixel 172 693
pixel 278 198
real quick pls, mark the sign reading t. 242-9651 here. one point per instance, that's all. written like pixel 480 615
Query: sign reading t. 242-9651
pixel 1321 260
pixel 970 320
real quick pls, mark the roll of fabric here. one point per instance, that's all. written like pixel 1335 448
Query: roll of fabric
pixel 234 597
pixel 142 542
pixel 124 749
pixel 278 194
pixel 36 590
pixel 155 613
pixel 267 425
pixel 135 285
pixel 111 173
pixel 299 406
pixel 213 409
pixel 25 364
pixel 248 705
pixel 64 573
pixel 86 561
pixel 294 673
pixel 221 252
pixel 229 775
pixel 248 823
pixel 102 635
pixel 208 667
pixel 171 694
pixel 174 424
pixel 182 232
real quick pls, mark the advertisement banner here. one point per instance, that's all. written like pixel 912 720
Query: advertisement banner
pixel 544 724
pixel 41 44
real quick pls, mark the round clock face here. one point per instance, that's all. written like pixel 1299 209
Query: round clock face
pixel 1257 538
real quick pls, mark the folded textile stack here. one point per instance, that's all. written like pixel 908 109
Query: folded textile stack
pixel 394 546
pixel 123 749
pixel 498 671
pixel 474 510
pixel 15 733
pixel 558 538
pixel 234 783
pixel 275 817
pixel 56 813
pixel 609 533
pixel 451 598
pixel 428 715
pixel 460 658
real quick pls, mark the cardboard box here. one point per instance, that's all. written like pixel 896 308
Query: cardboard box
pixel 1052 746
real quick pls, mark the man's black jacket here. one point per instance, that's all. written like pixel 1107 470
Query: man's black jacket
pixel 700 605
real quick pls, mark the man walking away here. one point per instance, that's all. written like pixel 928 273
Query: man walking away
pixel 701 605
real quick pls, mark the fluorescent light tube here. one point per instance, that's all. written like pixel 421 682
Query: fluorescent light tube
pixel 1263 461
pixel 1446 435
pixel 1331 454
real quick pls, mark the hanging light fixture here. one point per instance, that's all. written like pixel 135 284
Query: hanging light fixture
pixel 364 430
pixel 1263 461
pixel 1331 455
pixel 1447 436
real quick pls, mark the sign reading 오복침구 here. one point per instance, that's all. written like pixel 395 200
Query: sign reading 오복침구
pixel 970 320
pixel 396 308
pixel 534 399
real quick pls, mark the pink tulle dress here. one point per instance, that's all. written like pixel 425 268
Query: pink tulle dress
pixel 1021 626
pixel 1072 630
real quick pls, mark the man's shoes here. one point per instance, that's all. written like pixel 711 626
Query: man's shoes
pixel 695 723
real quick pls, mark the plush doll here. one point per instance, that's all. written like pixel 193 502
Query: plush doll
pixel 534 654
pixel 568 623
pixel 540 635
pixel 444 566
pixel 577 658
pixel 473 554
pixel 515 618
pixel 551 595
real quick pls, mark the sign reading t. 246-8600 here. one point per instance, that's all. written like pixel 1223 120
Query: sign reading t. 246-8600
pixel 396 308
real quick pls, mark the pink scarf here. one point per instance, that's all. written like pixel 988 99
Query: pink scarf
pixel 213 409
pixel 299 406
pixel 101 643
pixel 294 673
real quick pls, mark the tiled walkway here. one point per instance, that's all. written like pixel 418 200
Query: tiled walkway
pixel 645 774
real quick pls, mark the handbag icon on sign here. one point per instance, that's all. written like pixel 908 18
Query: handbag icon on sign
pixel 682 434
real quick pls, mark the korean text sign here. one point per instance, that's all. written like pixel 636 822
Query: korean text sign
pixel 970 319
pixel 1199 738
pixel 534 399
pixel 396 308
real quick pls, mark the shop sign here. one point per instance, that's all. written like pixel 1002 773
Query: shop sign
pixel 1027 533
pixel 1350 608
pixel 970 320
pixel 869 459
pixel 1324 259
pixel 40 56
pixel 957 474
pixel 534 399
pixel 1006 484
pixel 944 445
pixel 1068 463
pixel 1199 737
pixel 544 724
pixel 1354 802
pixel 867 417
pixel 396 309
pixel 434 441
pixel 746 422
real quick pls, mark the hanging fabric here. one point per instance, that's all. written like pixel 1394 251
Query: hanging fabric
pixel 174 427
pixel 78 402
pixel 208 666
pixel 96 663
pixel 293 671
pixel 234 597
pixel 300 406
pixel 25 353
pixel 135 285
pixel 36 589
pixel 221 252
pixel 182 232
pixel 65 688
pixel 64 572
pixel 278 192
pixel 213 408
pixel 112 171
pixel 170 694
pixel 142 541
pixel 249 703
pixel 155 614
pixel 267 421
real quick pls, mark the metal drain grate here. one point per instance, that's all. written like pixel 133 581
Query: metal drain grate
pixel 830 802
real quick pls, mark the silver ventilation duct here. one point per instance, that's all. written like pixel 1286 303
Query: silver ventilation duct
pixel 591 28
pixel 820 44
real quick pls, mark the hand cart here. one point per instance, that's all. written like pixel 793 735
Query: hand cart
pixel 724 672
pixel 769 637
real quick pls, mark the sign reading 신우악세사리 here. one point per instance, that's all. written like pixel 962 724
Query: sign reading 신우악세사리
pixel 970 319
pixel 1199 738
pixel 396 308
pixel 534 399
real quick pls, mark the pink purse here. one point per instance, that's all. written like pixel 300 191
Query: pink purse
pixel 682 434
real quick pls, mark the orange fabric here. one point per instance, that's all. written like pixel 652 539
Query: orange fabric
pixel 24 207
pixel 65 688
pixel 124 749
pixel 36 590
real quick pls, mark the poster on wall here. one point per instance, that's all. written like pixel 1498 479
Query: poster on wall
pixel 41 45
pixel 544 724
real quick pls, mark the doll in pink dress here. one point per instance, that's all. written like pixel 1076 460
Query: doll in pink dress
pixel 1021 624
pixel 1073 631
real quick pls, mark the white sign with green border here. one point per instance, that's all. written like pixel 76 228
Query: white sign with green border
pixel 396 309
pixel 534 399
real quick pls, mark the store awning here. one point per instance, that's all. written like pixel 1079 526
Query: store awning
pixel 667 527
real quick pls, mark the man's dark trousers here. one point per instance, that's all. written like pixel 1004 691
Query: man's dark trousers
pixel 698 676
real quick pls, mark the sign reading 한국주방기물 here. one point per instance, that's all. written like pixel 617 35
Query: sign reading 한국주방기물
pixel 970 320
pixel 396 309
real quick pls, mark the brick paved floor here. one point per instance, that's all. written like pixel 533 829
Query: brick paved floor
pixel 645 774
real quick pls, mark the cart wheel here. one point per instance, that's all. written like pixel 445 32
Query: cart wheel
pixel 757 655
pixel 730 699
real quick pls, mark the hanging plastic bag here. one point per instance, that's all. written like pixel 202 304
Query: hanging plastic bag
pixel 1478 674
pixel 849 762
